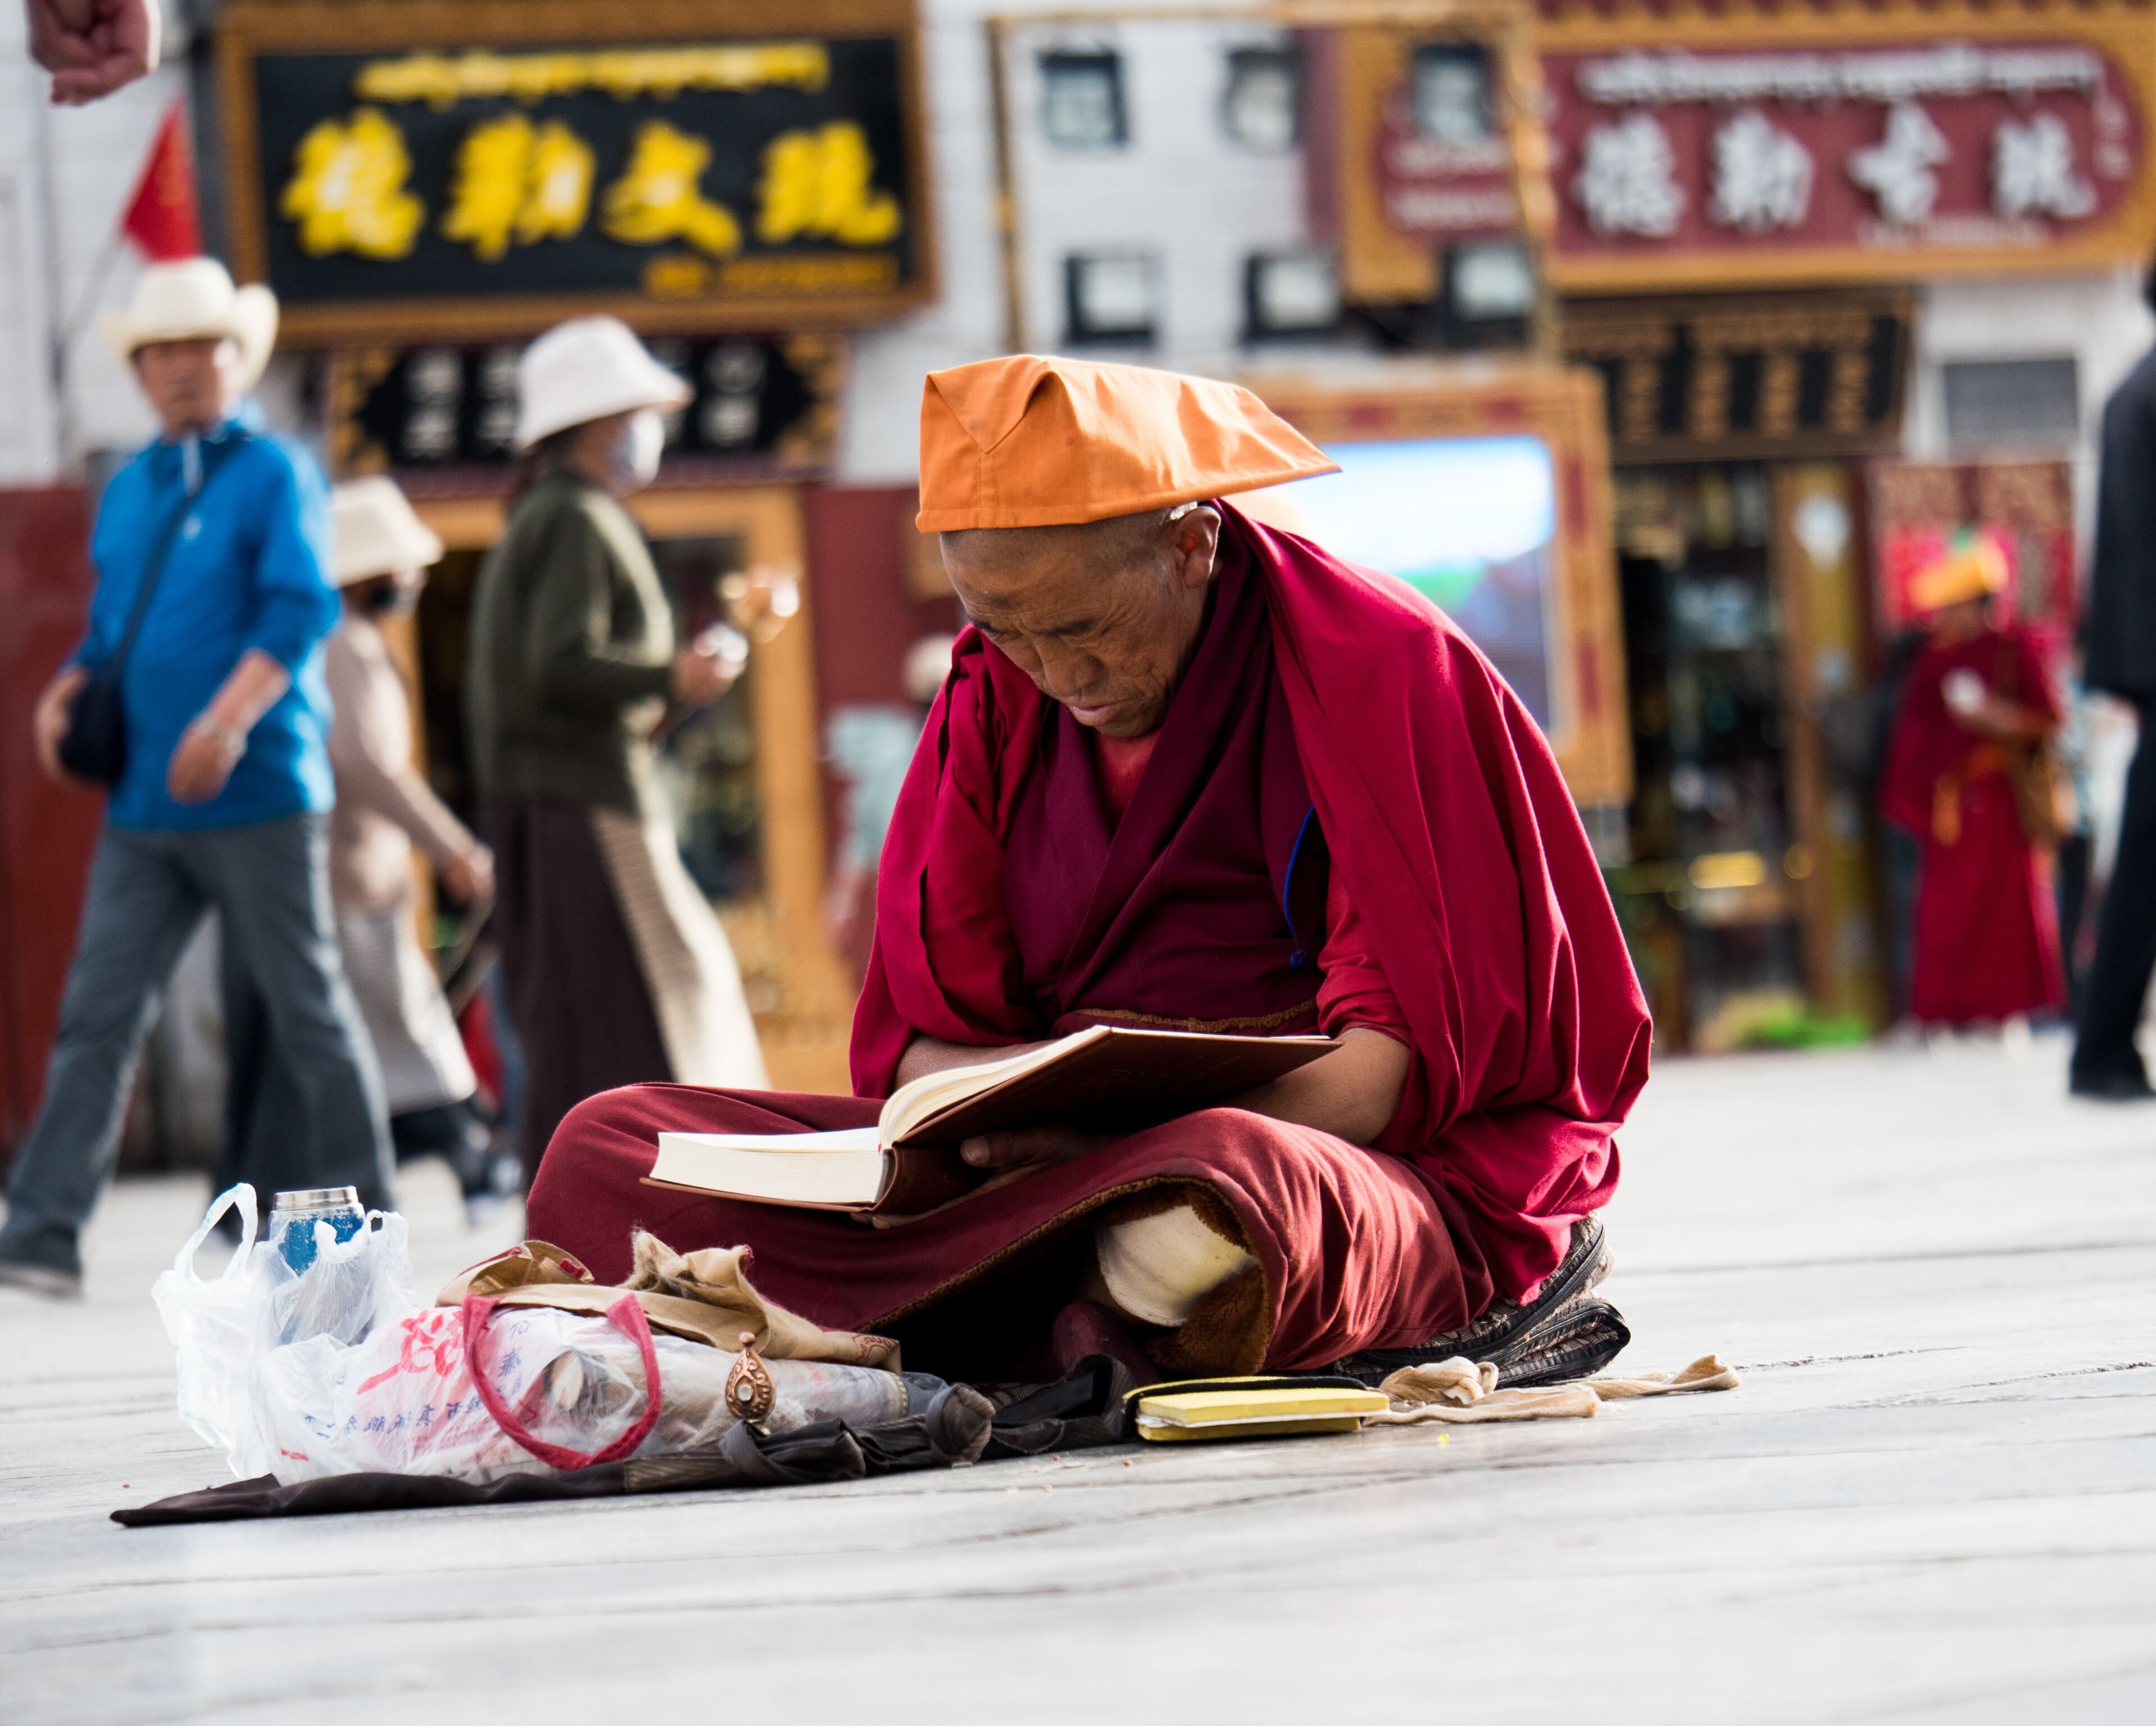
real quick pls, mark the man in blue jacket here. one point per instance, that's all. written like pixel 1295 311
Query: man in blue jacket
pixel 222 799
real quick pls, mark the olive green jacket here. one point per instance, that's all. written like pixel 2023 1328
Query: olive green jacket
pixel 572 653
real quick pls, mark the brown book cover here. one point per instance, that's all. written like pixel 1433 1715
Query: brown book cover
pixel 1113 1079
pixel 1105 1079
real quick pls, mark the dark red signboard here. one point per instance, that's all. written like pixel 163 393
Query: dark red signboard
pixel 1863 156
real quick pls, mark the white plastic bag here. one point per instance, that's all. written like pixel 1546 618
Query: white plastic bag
pixel 338 1369
pixel 348 1287
pixel 216 1328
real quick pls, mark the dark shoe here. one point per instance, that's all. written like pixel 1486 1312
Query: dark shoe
pixel 1561 1333
pixel 38 1279
pixel 43 1259
pixel 2110 1087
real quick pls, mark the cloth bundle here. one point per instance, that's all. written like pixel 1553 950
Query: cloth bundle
pixel 1459 1391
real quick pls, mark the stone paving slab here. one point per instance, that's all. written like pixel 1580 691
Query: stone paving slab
pixel 1934 1499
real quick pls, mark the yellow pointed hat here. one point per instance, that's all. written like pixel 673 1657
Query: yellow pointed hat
pixel 1029 442
pixel 1973 568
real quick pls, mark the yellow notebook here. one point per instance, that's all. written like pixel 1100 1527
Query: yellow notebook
pixel 1260 1410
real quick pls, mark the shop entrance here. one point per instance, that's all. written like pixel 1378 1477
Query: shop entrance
pixel 1748 901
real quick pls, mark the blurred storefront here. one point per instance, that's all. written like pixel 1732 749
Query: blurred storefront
pixel 428 187
pixel 1758 210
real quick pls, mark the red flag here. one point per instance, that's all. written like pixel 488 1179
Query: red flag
pixel 162 219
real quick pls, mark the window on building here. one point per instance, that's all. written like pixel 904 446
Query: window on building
pixel 1263 108
pixel 2012 404
pixel 1489 279
pixel 1452 94
pixel 1081 100
pixel 1288 294
pixel 1488 295
pixel 1112 297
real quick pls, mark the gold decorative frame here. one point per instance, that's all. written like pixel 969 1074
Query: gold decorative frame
pixel 247 28
pixel 1563 407
pixel 2124 30
pixel 782 946
pixel 1380 264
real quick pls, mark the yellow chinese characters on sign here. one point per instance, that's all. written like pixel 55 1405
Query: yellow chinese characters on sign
pixel 516 180
pixel 346 193
pixel 817 184
pixel 658 196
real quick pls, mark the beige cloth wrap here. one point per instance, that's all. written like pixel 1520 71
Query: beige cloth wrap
pixel 687 966
pixel 704 1297
pixel 1458 1391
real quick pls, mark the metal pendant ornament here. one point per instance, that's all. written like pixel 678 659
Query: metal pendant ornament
pixel 750 1392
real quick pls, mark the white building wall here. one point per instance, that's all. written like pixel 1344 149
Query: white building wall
pixel 66 175
pixel 2100 320
pixel 27 455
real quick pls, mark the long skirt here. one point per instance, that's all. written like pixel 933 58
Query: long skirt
pixel 1347 1248
pixel 617 973
pixel 1987 944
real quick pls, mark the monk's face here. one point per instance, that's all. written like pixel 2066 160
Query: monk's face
pixel 1953 625
pixel 1104 617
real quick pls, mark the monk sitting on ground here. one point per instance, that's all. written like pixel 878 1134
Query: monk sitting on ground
pixel 1190 772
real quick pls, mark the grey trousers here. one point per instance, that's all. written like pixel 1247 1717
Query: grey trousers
pixel 148 892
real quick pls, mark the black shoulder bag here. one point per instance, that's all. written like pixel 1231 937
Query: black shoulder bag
pixel 94 745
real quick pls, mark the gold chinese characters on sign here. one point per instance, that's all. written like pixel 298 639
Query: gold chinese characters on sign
pixel 383 185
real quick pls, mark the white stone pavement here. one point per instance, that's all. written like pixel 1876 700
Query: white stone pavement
pixel 1933 1500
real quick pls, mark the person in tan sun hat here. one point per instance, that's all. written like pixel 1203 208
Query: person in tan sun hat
pixel 197 699
pixel 1189 772
pixel 384 808
pixel 616 971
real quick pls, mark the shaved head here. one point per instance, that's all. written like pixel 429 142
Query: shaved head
pixel 1103 616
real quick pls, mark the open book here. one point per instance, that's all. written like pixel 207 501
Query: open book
pixel 1107 1079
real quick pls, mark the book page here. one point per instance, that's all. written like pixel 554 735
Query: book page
pixel 931 1093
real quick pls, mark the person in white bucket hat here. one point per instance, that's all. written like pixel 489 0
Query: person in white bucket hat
pixel 385 807
pixel 616 971
pixel 197 699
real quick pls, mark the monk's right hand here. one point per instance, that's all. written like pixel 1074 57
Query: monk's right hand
pixel 1029 1147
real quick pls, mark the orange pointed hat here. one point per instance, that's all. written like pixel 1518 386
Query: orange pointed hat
pixel 1028 442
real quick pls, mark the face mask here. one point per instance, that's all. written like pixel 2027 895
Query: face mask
pixel 643 442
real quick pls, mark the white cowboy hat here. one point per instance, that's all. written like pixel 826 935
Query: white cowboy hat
pixel 584 370
pixel 192 299
pixel 377 532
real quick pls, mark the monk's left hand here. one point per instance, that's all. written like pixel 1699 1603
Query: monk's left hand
pixel 1029 1147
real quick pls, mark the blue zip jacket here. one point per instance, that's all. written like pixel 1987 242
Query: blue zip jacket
pixel 249 568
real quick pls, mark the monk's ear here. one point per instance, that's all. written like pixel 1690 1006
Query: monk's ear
pixel 1194 538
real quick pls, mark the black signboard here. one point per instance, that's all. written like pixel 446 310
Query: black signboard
pixel 1736 377
pixel 466 170
pixel 764 405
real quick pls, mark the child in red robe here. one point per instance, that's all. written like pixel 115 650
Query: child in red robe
pixel 1975 716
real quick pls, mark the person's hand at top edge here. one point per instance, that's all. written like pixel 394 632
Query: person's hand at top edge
pixel 93 47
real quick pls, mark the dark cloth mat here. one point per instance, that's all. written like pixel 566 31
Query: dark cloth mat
pixel 958 1425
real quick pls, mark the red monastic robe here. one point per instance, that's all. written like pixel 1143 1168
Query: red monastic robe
pixel 1987 936
pixel 1342 782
